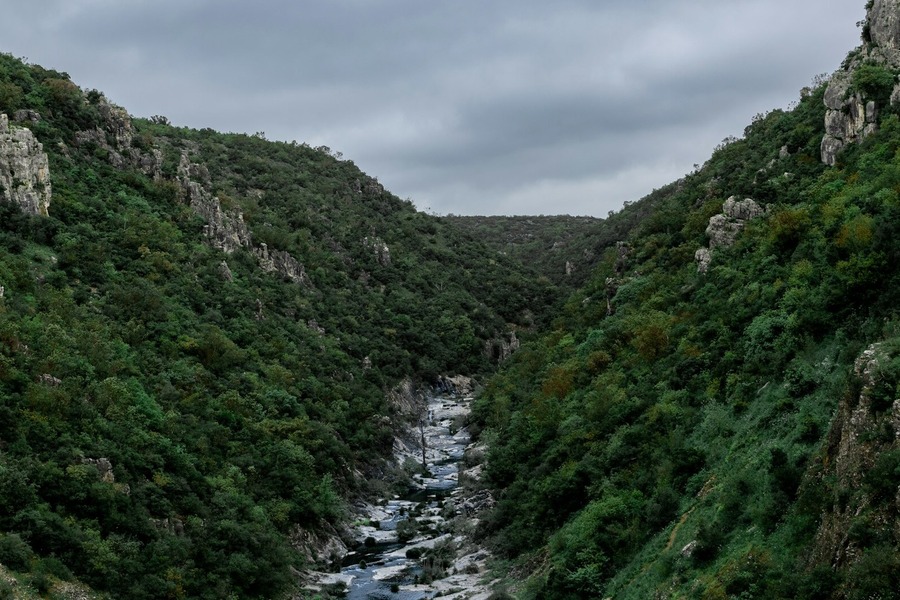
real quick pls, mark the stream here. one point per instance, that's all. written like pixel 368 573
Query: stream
pixel 380 568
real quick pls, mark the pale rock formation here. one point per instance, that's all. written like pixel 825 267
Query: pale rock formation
pixel 225 271
pixel 115 135
pixel 724 228
pixel 24 169
pixel 703 257
pixel 225 228
pixel 380 249
pixel 279 261
pixel 850 116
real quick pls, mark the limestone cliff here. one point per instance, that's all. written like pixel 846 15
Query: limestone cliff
pixel 852 110
pixel 24 169
pixel 225 229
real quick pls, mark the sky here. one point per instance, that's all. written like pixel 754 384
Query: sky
pixel 498 107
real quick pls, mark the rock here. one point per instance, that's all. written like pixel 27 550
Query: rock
pixel 855 442
pixel 115 135
pixel 458 385
pixel 477 502
pixel 724 228
pixel 104 468
pixel 612 288
pixel 829 149
pixel 323 550
pixel 225 272
pixel 499 349
pixel 883 20
pixel 380 249
pixel 688 549
pixel 570 268
pixel 279 261
pixel 851 117
pixel 48 379
pixel 32 116
pixel 742 210
pixel 703 257
pixel 623 251
pixel 225 228
pixel 784 152
pixel 24 169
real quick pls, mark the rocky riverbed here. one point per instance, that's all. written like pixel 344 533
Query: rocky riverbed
pixel 417 545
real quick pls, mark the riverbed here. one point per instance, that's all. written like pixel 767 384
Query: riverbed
pixel 415 546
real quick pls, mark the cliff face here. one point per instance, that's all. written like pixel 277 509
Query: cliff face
pixel 853 97
pixel 862 446
pixel 24 169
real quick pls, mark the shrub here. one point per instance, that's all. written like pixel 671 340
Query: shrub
pixel 14 552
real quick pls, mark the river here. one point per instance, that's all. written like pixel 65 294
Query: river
pixel 417 525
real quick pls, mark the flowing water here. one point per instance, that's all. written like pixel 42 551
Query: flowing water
pixel 381 570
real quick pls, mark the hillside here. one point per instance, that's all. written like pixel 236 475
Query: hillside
pixel 562 248
pixel 199 335
pixel 209 344
pixel 715 414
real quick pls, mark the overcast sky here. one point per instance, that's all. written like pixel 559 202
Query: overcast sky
pixel 463 106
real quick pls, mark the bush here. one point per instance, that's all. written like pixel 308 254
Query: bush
pixel 14 552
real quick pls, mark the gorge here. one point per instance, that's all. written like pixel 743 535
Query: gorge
pixel 221 358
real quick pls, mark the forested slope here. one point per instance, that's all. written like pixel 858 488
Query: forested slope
pixel 197 337
pixel 715 414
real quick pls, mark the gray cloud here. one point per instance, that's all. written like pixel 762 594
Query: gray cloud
pixel 468 107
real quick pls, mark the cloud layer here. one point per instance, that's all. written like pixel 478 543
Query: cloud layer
pixel 502 107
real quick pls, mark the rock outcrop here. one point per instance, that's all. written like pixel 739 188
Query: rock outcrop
pixel 115 135
pixel 380 249
pixel 226 228
pixel 279 261
pixel 502 347
pixel 24 169
pixel 866 426
pixel 321 550
pixel 851 115
pixel 724 228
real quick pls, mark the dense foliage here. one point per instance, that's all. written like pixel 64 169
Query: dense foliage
pixel 680 446
pixel 166 427
pixel 562 248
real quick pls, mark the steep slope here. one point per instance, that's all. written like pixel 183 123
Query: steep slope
pixel 198 334
pixel 715 414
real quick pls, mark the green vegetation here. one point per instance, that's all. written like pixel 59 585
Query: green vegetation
pixel 230 408
pixel 679 446
pixel 172 416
